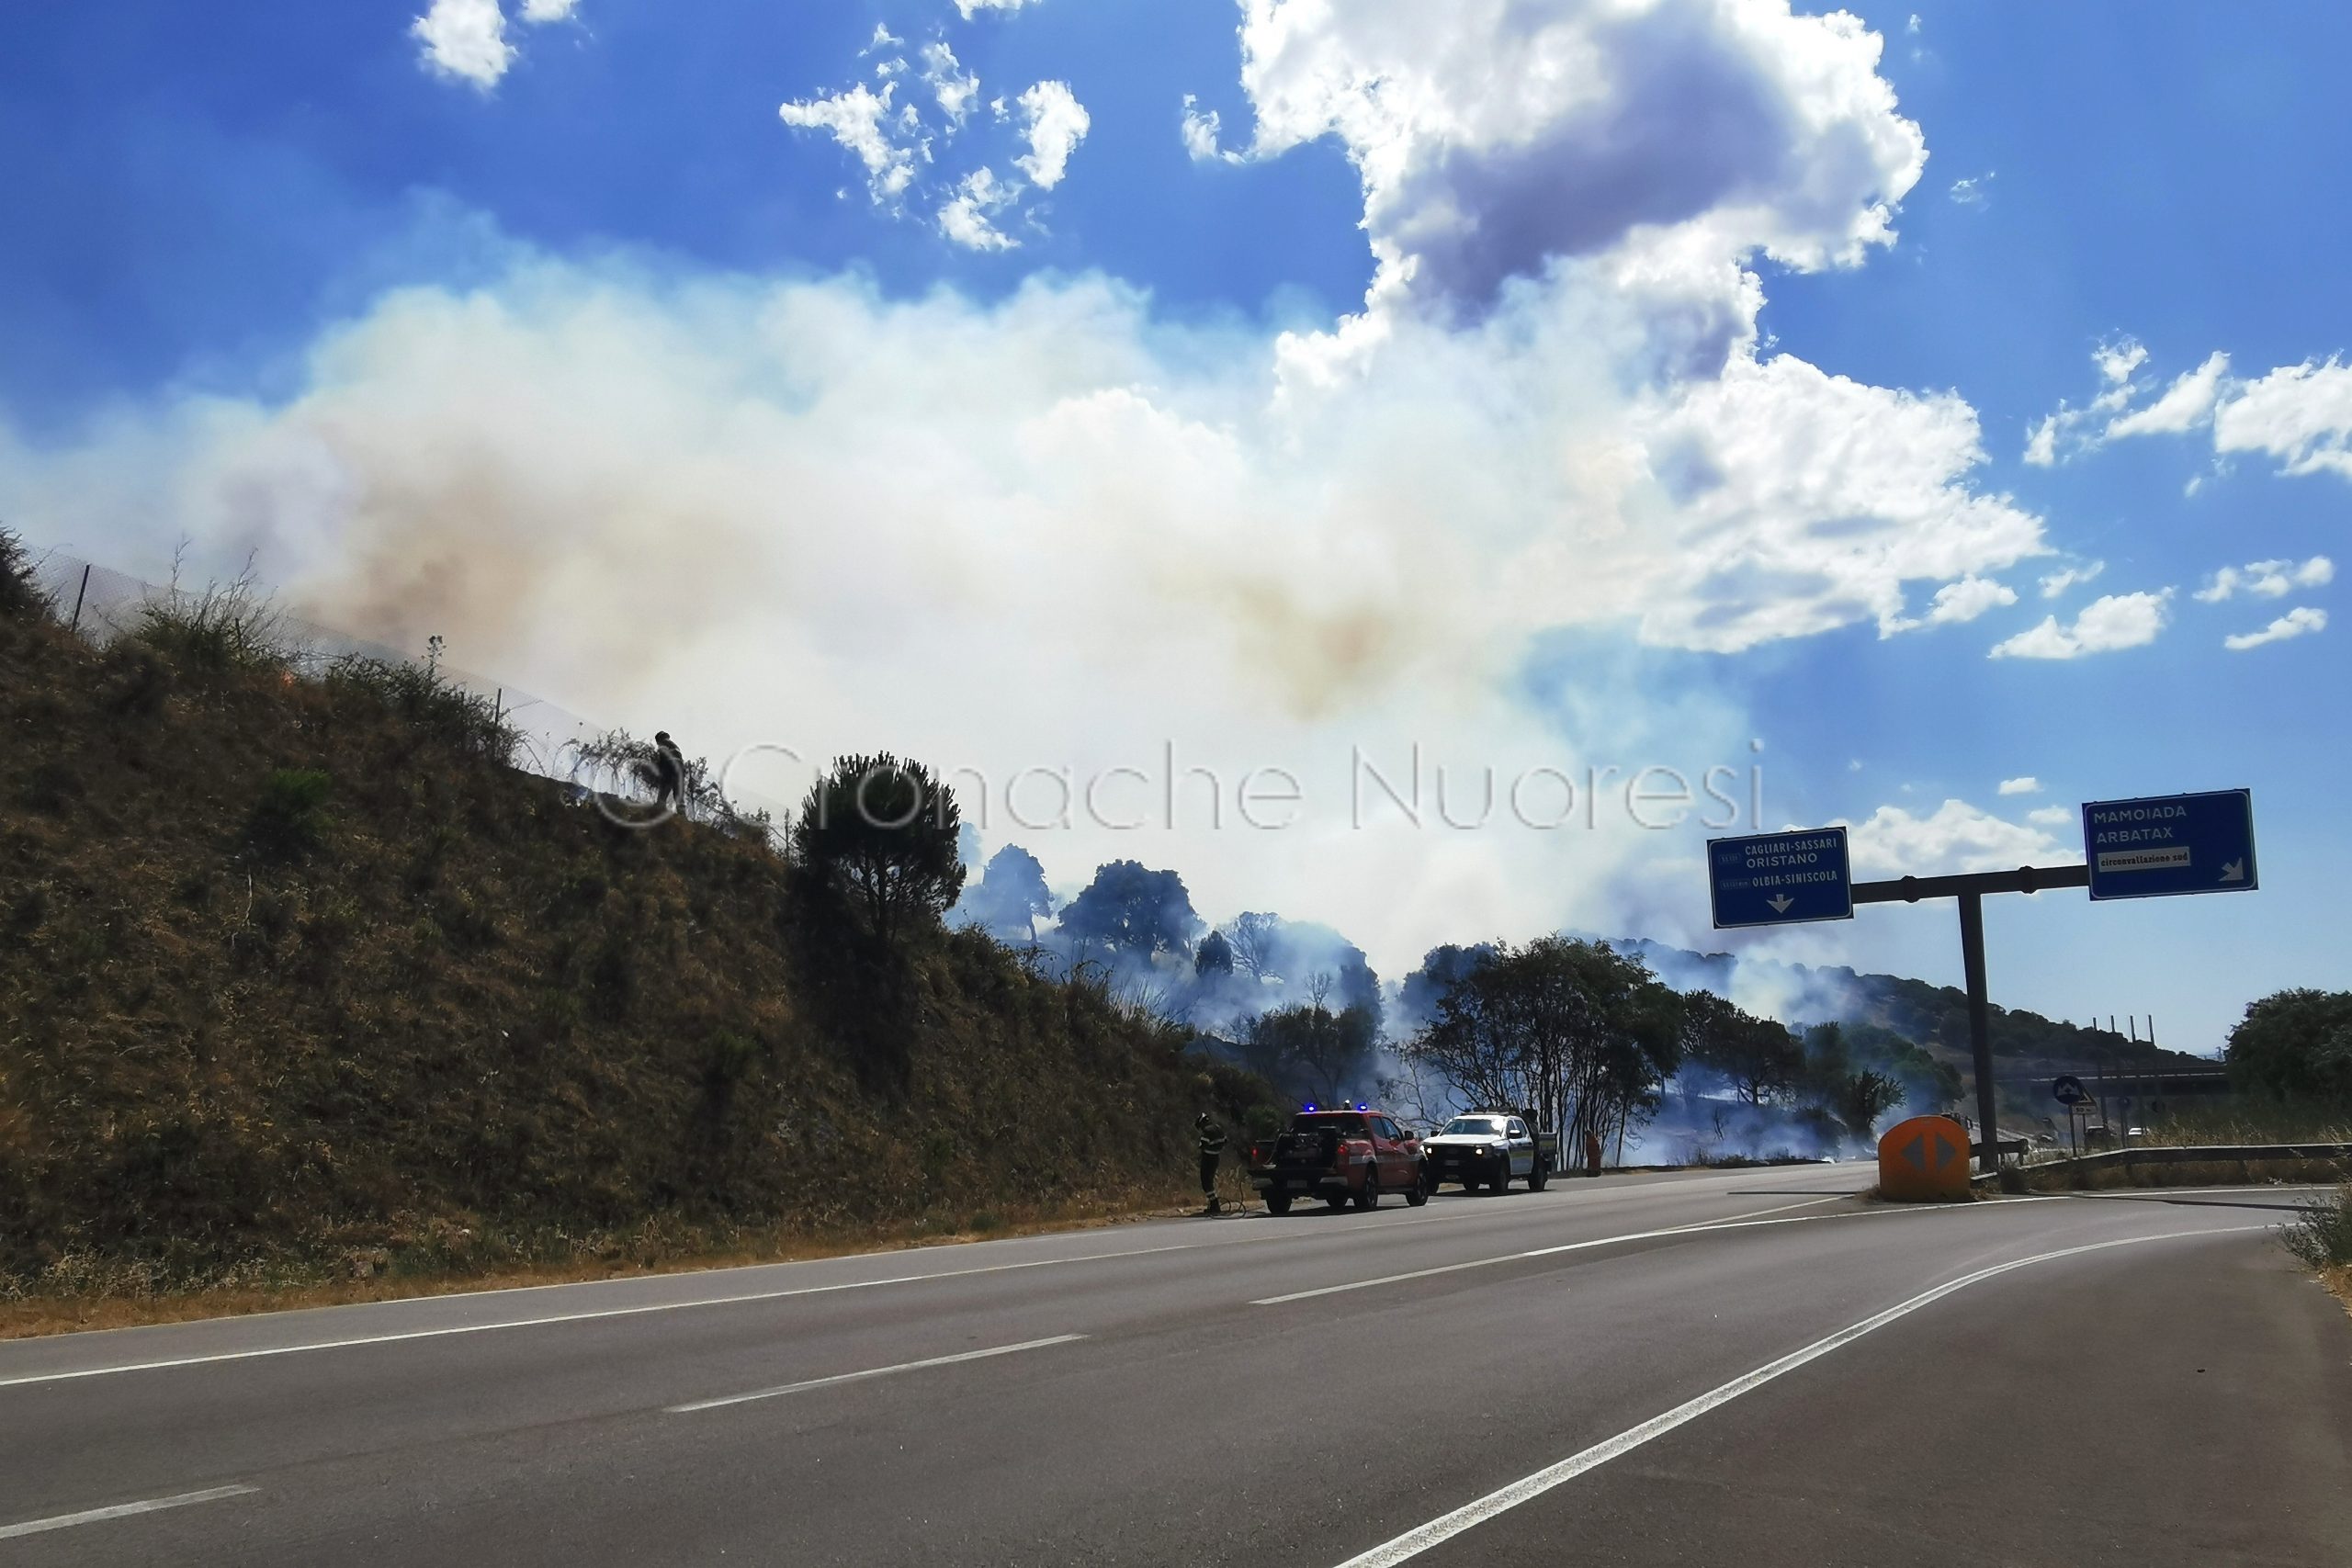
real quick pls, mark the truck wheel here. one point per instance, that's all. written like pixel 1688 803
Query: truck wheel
pixel 1339 1200
pixel 1278 1203
pixel 1539 1176
pixel 1368 1197
pixel 1500 1180
pixel 1418 1193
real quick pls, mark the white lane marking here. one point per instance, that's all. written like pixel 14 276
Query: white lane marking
pixel 1413 1542
pixel 870 1372
pixel 122 1511
pixel 543 1321
pixel 1614 1240
pixel 397 1337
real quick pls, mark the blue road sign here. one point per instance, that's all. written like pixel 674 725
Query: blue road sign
pixel 2172 843
pixel 2068 1090
pixel 1774 879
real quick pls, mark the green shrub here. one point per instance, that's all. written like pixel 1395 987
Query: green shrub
pixel 427 704
pixel 20 597
pixel 290 815
pixel 2321 1233
pixel 226 627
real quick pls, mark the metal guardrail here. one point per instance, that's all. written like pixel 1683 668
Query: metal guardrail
pixel 2187 1154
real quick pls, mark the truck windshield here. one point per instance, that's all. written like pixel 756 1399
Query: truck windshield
pixel 1475 1127
pixel 1346 1121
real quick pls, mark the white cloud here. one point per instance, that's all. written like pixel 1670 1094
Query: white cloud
pixel 1973 191
pixel 2118 359
pixel 955 89
pixel 1954 604
pixel 465 39
pixel 1496 136
pixel 869 125
pixel 2118 621
pixel 2022 786
pixel 2300 414
pixel 964 216
pixel 2057 582
pixel 1054 122
pixel 2041 443
pixel 1957 838
pixel 2267 578
pixel 2301 621
pixel 2049 816
pixel 544 11
pixel 2186 404
pixel 970 8
pixel 1202 130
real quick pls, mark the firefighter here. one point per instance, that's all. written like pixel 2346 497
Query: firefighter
pixel 1212 1141
pixel 669 772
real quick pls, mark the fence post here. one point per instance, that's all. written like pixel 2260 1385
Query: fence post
pixel 80 593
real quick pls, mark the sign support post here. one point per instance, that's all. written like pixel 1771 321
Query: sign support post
pixel 1969 892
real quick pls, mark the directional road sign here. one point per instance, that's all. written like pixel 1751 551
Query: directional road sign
pixel 2172 843
pixel 2068 1090
pixel 1772 879
pixel 1926 1157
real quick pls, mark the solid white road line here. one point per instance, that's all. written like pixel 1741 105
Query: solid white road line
pixel 397 1337
pixel 122 1511
pixel 871 1373
pixel 1413 1542
pixel 1698 1229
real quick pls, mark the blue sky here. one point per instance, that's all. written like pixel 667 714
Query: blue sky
pixel 632 381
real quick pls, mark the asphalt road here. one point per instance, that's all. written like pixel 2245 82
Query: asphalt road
pixel 1749 1368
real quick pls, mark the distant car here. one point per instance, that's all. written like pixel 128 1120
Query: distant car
pixel 1341 1156
pixel 1489 1148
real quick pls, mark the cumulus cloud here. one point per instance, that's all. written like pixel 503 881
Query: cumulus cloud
pixel 1957 602
pixel 964 217
pixel 1496 136
pixel 954 88
pixel 2300 414
pixel 2267 578
pixel 869 126
pixel 1956 837
pixel 466 39
pixel 2301 621
pixel 1054 122
pixel 2057 582
pixel 1204 130
pixel 2022 786
pixel 2118 621
pixel 2187 403
pixel 2049 816
pixel 970 8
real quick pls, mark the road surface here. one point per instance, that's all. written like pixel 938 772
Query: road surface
pixel 1749 1368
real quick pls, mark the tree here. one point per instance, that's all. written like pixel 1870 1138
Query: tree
pixel 1579 1032
pixel 882 834
pixel 1756 1057
pixel 1214 958
pixel 1252 941
pixel 1010 896
pixel 1310 1049
pixel 1131 909
pixel 1862 1100
pixel 2294 1045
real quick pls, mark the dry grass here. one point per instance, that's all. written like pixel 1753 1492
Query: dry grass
pixel 31 1317
pixel 457 1030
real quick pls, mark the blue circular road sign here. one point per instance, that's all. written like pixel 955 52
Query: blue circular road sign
pixel 2068 1090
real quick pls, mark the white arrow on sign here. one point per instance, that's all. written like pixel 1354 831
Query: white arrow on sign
pixel 2234 871
pixel 1781 904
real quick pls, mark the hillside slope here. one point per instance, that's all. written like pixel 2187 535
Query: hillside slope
pixel 297 981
